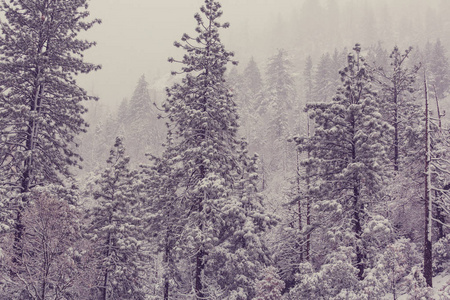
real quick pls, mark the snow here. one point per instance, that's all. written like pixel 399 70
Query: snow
pixel 439 283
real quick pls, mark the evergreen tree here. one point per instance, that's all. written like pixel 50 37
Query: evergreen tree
pixel 378 56
pixel 123 114
pixel 270 286
pixel 165 221
pixel 40 106
pixel 280 94
pixel 399 106
pixel 308 79
pixel 439 69
pixel 241 255
pixel 278 110
pixel 252 78
pixel 347 155
pixel 116 229
pixel 234 80
pixel 251 95
pixel 202 154
pixel 324 79
pixel 144 132
pixel 308 87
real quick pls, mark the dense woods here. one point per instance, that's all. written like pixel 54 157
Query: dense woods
pixel 317 172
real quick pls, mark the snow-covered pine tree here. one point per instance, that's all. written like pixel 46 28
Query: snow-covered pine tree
pixel 123 112
pixel 241 253
pixel 270 286
pixel 323 87
pixel 277 111
pixel 308 79
pixel 399 107
pixel 144 131
pixel 40 104
pixel 250 95
pixel 280 95
pixel 252 79
pixel 117 230
pixel 439 69
pixel 202 154
pixel 378 56
pixel 347 155
pixel 165 221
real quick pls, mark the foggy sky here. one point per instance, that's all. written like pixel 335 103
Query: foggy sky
pixel 136 36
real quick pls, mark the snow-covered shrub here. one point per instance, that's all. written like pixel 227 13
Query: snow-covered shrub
pixel 307 283
pixel 54 258
pixel 417 287
pixel 270 286
pixel 337 278
pixel 396 262
pixel 441 254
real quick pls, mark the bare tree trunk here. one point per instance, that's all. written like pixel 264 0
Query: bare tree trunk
pixel 308 200
pixel 396 132
pixel 439 210
pixel 427 253
pixel 299 208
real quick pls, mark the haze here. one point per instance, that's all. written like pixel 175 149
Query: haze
pixel 136 36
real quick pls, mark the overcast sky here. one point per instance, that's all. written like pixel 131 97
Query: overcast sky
pixel 136 37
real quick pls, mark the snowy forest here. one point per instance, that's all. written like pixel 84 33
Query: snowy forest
pixel 312 163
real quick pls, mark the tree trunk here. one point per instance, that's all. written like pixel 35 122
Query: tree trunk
pixel 198 274
pixel 396 124
pixel 32 131
pixel 200 256
pixel 357 209
pixel 105 286
pixel 357 230
pixel 439 210
pixel 427 253
pixel 299 208
pixel 106 276
pixel 308 200
pixel 308 214
pixel 168 267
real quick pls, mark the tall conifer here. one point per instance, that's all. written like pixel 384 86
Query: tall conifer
pixel 347 155
pixel 202 155
pixel 40 101
pixel 116 229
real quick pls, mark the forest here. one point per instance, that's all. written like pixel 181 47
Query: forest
pixel 315 167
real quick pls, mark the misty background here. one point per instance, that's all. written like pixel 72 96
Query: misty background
pixel 136 37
